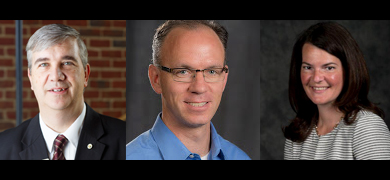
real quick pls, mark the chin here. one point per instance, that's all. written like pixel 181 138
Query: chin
pixel 59 105
pixel 197 121
pixel 322 102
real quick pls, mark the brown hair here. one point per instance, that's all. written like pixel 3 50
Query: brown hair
pixel 336 40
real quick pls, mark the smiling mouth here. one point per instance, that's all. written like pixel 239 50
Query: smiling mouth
pixel 58 90
pixel 197 104
pixel 319 88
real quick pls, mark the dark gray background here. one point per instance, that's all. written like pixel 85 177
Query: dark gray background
pixel 277 40
pixel 238 116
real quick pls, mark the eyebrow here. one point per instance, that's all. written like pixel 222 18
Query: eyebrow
pixel 66 57
pixel 189 67
pixel 41 60
pixel 327 64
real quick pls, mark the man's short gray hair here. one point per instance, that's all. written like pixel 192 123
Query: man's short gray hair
pixel 52 34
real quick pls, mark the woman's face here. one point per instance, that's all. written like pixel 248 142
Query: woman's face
pixel 321 75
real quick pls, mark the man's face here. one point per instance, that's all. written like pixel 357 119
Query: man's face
pixel 192 103
pixel 57 76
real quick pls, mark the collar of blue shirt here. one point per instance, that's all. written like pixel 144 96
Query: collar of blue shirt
pixel 172 148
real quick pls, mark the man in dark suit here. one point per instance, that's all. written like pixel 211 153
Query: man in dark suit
pixel 66 127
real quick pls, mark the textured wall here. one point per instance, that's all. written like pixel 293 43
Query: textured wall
pixel 277 40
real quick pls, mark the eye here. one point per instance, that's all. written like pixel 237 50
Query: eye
pixel 213 72
pixel 68 63
pixel 306 67
pixel 43 65
pixel 329 68
pixel 182 72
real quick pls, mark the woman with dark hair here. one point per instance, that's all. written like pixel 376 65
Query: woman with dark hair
pixel 328 88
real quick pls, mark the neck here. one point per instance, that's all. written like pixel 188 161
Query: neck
pixel 329 116
pixel 60 120
pixel 196 139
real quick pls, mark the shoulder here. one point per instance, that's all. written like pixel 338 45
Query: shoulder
pixel 112 123
pixel 369 125
pixel 371 137
pixel 107 130
pixel 231 151
pixel 14 134
pixel 114 134
pixel 143 147
pixel 10 141
pixel 288 145
pixel 369 121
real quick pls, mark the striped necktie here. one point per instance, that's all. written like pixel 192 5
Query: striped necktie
pixel 59 144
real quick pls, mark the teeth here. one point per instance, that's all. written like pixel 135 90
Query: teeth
pixel 57 90
pixel 197 104
pixel 319 88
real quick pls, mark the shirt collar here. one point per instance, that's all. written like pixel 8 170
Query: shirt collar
pixel 216 148
pixel 172 148
pixel 72 133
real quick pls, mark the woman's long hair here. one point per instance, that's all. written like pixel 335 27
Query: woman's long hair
pixel 336 40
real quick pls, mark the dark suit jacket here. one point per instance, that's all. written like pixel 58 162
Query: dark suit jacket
pixel 106 134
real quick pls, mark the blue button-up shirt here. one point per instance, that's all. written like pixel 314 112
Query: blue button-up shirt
pixel 159 143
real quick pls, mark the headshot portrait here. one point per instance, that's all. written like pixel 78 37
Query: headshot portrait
pixel 61 68
pixel 192 90
pixel 330 101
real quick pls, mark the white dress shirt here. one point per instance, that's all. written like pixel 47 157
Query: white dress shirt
pixel 72 134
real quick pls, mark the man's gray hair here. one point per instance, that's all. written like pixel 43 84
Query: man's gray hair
pixel 52 34
pixel 163 30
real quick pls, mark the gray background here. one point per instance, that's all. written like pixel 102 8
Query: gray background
pixel 277 40
pixel 238 116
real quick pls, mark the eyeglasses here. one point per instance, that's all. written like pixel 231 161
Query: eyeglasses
pixel 187 75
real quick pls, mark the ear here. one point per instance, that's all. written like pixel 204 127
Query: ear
pixel 87 71
pixel 29 77
pixel 154 78
pixel 226 77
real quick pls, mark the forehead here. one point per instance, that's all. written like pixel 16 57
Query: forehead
pixel 315 55
pixel 67 47
pixel 194 47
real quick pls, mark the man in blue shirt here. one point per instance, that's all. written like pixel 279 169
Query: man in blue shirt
pixel 189 71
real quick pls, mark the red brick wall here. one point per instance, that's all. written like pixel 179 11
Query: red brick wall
pixel 106 44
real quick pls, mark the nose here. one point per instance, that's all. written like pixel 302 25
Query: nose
pixel 318 76
pixel 56 74
pixel 198 84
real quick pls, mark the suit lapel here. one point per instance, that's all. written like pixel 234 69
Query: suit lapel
pixel 89 148
pixel 34 146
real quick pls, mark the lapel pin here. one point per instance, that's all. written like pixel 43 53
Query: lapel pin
pixel 89 146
